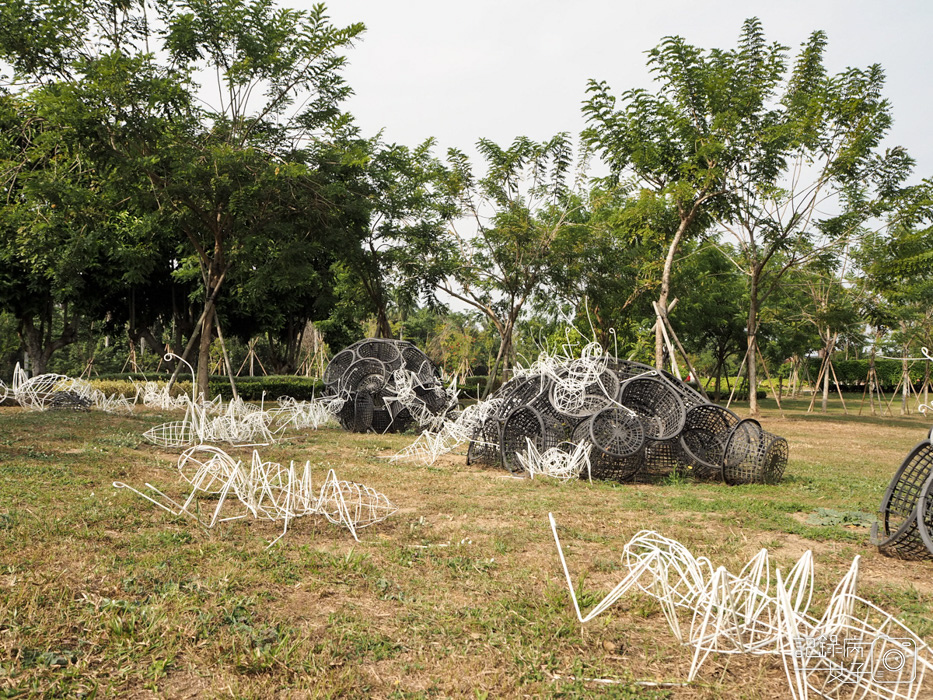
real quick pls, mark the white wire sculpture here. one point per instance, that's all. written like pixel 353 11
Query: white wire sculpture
pixel 51 391
pixel 268 491
pixel 154 396
pixel 564 462
pixel 854 650
pixel 292 414
pixel 453 432
pixel 238 423
pixel 4 391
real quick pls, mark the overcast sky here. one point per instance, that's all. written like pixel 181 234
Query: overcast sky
pixel 499 69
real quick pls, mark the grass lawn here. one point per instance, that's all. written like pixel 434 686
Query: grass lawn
pixel 459 594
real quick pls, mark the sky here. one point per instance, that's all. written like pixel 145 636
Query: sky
pixel 499 69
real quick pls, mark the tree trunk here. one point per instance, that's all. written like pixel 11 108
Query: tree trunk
pixel 39 343
pixel 383 327
pixel 752 334
pixel 905 382
pixel 666 287
pixel 204 352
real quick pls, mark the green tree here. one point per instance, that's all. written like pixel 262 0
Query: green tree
pixel 278 83
pixel 518 210
pixel 681 144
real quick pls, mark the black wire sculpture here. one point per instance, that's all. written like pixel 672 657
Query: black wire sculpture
pixel 386 385
pixel 642 424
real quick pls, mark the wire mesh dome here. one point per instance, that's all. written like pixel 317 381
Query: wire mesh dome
pixel 900 535
pixel 660 408
pixel 633 417
pixel 68 401
pixel 391 383
pixel 706 430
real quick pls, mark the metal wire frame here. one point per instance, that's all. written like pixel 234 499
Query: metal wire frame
pixel 900 535
pixel 762 612
pixel 401 382
pixel 269 491
pixel 338 365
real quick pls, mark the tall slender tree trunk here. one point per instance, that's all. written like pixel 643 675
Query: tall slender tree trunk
pixel 665 292
pixel 752 357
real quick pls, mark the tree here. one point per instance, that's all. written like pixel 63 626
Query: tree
pixel 277 72
pixel 680 144
pixel 817 150
pixel 401 193
pixel 897 277
pixel 519 209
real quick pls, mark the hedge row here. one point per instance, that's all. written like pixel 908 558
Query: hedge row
pixel 852 374
pixel 249 388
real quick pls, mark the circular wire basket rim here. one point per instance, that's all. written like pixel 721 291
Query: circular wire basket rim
pixel 718 467
pixel 925 444
pixel 726 467
pixel 924 505
pixel 591 421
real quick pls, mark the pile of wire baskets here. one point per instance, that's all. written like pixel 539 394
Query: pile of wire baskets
pixel 385 385
pixel 906 523
pixel 642 424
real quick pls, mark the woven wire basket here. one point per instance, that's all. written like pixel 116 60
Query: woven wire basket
pixel 753 455
pixel 660 408
pixel 357 413
pixel 616 433
pixel 68 401
pixel 524 423
pixel 900 535
pixel 485 443
pixel 337 366
pixel 385 351
pixel 925 514
pixel 367 375
pixel 706 430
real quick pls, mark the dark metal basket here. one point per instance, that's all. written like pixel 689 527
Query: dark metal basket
pixel 660 408
pixel 616 433
pixel 522 424
pixel 706 430
pixel 900 535
pixel 753 455
pixel 485 443
pixel 385 351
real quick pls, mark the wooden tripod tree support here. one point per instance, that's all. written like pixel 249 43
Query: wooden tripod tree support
pixel 825 368
pixel 667 327
pixel 209 306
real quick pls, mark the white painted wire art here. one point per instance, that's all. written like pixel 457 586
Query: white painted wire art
pixel 456 430
pixel 291 414
pixel 154 396
pixel 268 491
pixel 854 650
pixel 642 424
pixel 238 424
pixel 564 462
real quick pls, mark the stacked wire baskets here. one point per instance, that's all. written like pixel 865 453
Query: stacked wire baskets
pixel 363 375
pixel 906 522
pixel 642 424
